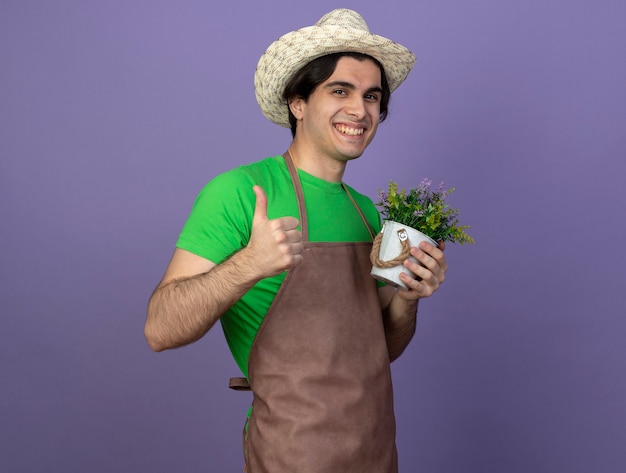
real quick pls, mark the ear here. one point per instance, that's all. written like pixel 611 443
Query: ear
pixel 296 105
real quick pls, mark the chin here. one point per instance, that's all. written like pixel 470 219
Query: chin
pixel 348 155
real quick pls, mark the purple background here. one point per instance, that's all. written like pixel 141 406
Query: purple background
pixel 114 114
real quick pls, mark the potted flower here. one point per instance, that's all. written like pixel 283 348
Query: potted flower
pixel 410 217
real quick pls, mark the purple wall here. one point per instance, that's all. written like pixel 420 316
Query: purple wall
pixel 114 114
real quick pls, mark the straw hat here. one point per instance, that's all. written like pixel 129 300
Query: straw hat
pixel 340 30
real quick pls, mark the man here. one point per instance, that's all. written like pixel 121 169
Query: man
pixel 278 251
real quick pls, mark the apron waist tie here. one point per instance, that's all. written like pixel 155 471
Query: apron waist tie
pixel 239 384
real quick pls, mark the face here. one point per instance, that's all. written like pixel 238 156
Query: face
pixel 340 118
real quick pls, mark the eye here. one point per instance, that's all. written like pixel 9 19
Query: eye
pixel 372 97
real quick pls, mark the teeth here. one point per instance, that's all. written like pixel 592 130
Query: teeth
pixel 350 131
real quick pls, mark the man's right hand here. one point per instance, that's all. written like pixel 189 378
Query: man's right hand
pixel 195 292
pixel 275 245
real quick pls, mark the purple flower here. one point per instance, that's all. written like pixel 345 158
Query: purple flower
pixel 424 207
pixel 425 184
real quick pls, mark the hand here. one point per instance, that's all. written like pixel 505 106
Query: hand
pixel 430 272
pixel 275 245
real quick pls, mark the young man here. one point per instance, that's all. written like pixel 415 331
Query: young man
pixel 278 251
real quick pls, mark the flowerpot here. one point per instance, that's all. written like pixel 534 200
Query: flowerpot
pixel 395 240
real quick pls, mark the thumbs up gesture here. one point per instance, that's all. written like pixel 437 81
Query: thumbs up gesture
pixel 276 244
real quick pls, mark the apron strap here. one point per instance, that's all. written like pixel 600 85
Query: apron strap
pixel 295 179
pixel 367 224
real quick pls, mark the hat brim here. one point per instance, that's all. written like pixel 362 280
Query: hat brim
pixel 288 54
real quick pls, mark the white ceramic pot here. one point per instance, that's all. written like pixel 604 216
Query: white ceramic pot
pixel 393 235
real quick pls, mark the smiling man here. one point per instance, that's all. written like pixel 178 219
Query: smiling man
pixel 262 253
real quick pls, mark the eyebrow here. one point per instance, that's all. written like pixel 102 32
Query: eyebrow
pixel 348 85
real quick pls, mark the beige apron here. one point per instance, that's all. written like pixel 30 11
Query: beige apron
pixel 319 367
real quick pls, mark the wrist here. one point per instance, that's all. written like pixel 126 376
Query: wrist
pixel 401 308
pixel 247 266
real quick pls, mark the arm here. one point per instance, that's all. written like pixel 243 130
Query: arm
pixel 195 292
pixel 400 306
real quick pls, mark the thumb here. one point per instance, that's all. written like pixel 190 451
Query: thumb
pixel 260 208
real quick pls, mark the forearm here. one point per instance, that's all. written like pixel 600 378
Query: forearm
pixel 399 318
pixel 183 310
pixel 400 310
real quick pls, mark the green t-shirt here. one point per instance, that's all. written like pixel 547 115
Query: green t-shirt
pixel 221 222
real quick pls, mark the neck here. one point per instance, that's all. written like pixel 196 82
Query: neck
pixel 330 170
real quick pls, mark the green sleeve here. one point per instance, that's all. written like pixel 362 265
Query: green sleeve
pixel 220 222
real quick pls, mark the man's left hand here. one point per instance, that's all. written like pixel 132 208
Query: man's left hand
pixel 430 272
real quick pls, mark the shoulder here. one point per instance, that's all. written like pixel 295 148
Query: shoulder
pixel 254 173
pixel 236 184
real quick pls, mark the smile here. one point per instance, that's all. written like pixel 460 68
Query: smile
pixel 346 130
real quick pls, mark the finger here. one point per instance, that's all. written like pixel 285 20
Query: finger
pixel 297 249
pixel 425 284
pixel 425 259
pixel 294 235
pixel 297 259
pixel 427 267
pixel 435 253
pixel 288 224
pixel 417 269
pixel 413 289
pixel 260 207
pixel 432 250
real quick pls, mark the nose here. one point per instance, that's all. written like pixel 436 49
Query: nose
pixel 356 108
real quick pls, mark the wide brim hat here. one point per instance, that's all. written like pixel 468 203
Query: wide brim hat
pixel 340 30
